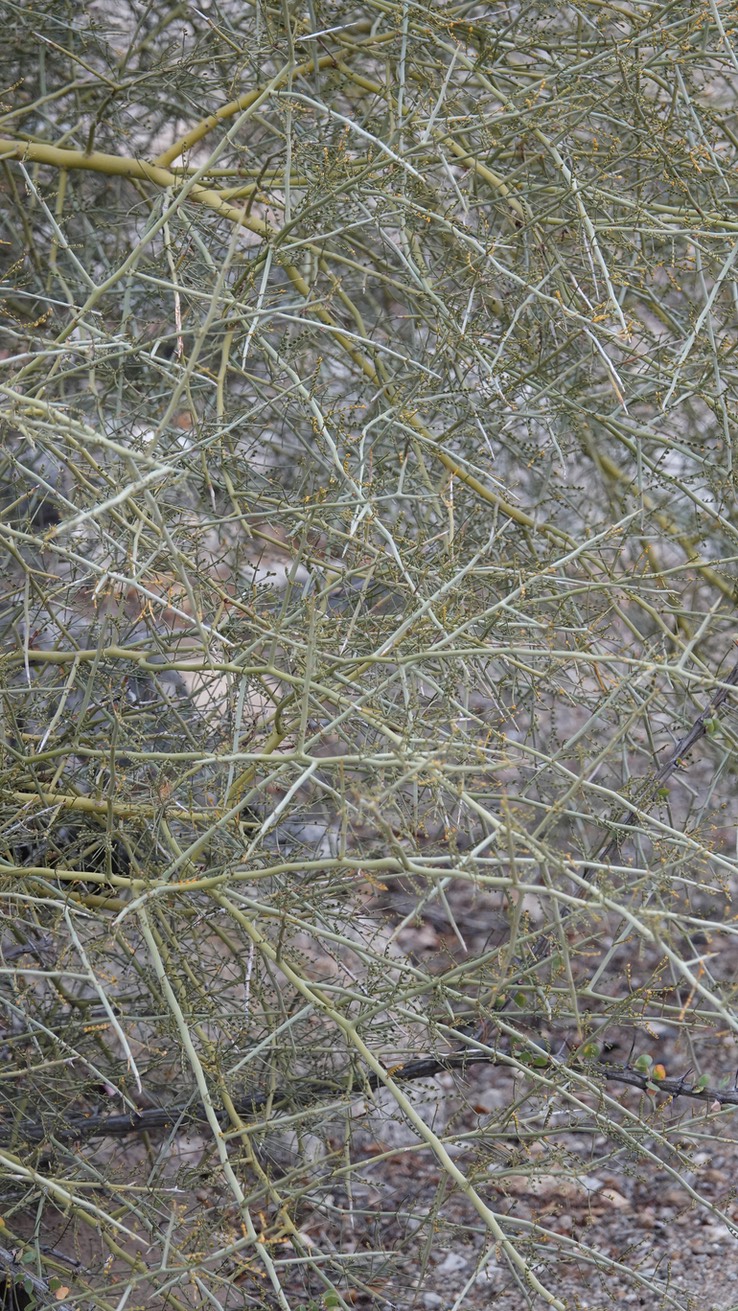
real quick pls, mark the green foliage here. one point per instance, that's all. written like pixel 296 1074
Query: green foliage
pixel 367 489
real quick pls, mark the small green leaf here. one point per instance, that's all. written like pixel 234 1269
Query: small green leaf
pixel 590 1051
